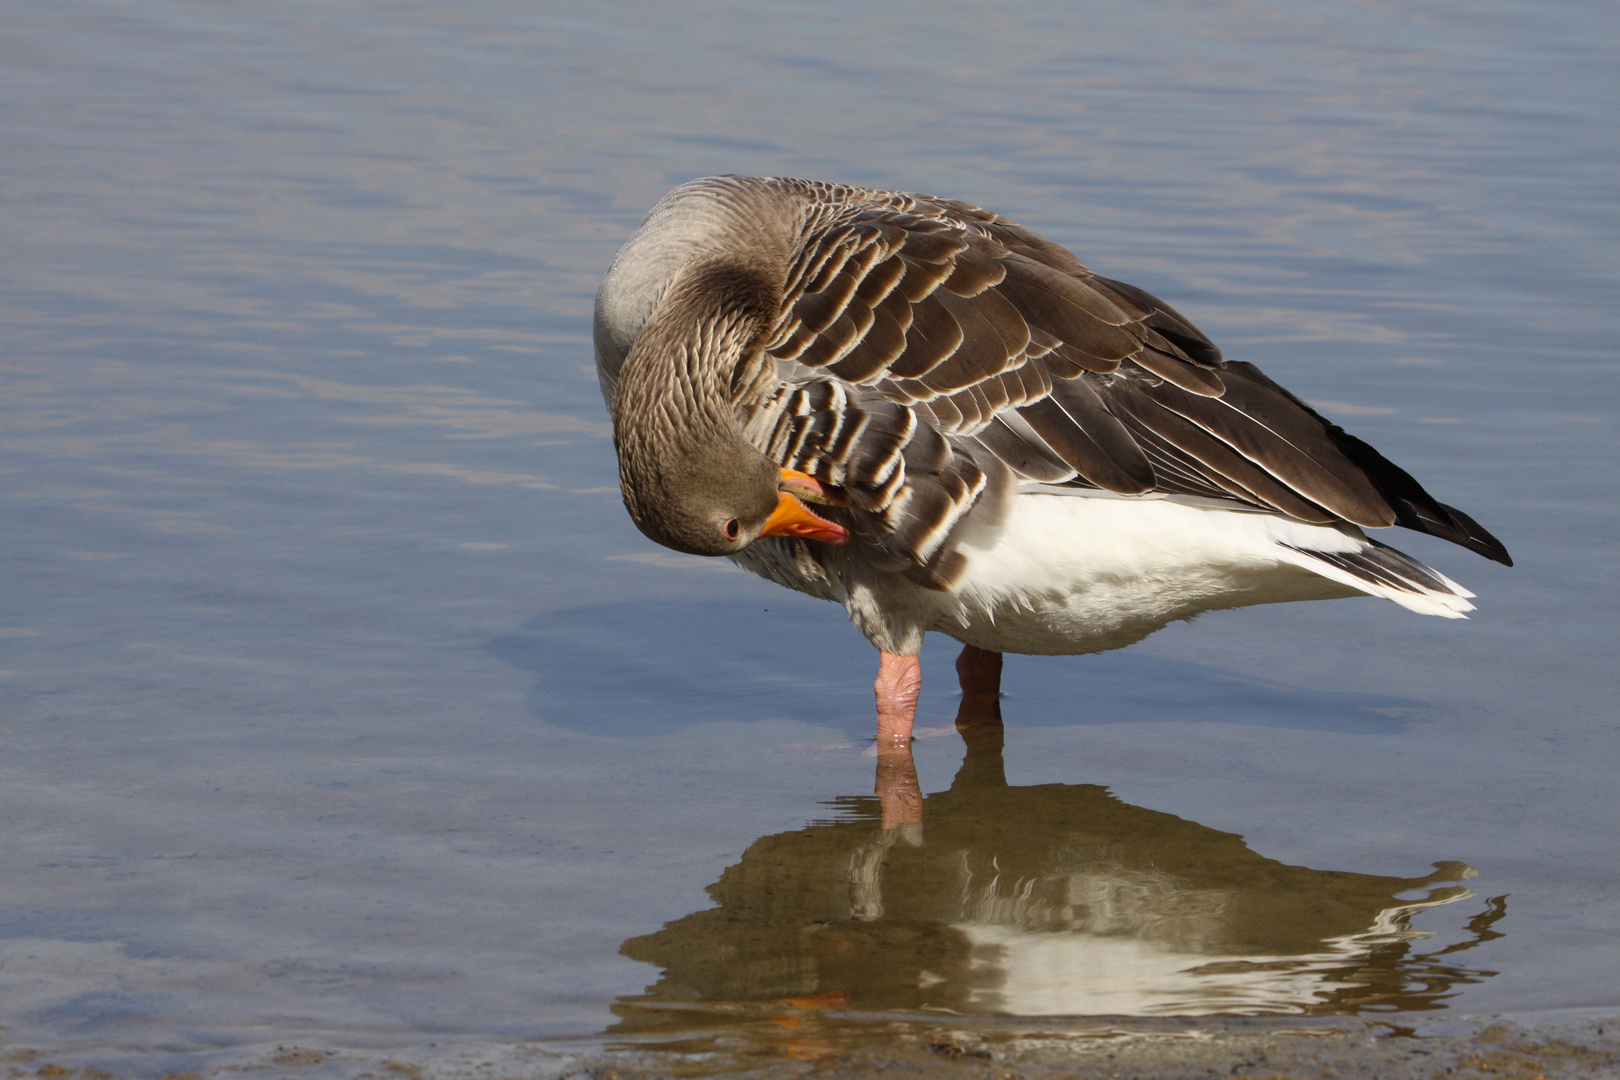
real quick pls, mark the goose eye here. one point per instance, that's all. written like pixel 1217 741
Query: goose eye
pixel 733 529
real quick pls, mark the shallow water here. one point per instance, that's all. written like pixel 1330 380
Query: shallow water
pixel 344 703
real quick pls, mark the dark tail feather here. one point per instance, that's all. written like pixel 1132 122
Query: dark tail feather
pixel 1414 508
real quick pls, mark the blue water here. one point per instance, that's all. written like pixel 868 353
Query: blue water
pixel 342 700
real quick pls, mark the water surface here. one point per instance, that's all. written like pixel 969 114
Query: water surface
pixel 344 704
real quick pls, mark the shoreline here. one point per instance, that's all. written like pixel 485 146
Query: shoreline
pixel 1400 1047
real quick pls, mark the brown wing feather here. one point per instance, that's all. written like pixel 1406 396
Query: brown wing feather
pixel 945 352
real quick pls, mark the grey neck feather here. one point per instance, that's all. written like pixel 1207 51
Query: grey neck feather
pixel 688 298
pixel 757 221
pixel 684 464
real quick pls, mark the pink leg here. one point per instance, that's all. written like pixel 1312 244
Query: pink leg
pixel 979 671
pixel 899 682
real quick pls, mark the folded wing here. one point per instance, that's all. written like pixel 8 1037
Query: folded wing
pixel 936 355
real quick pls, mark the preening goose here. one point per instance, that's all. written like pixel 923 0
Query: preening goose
pixel 999 444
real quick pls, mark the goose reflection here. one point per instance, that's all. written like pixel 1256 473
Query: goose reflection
pixel 1053 899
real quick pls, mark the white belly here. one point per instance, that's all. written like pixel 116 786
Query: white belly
pixel 1067 574
pixel 1076 574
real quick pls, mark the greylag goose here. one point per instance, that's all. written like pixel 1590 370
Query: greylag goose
pixel 943 421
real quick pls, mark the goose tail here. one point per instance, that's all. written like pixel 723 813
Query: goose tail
pixel 1380 570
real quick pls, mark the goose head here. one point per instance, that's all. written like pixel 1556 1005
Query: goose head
pixel 691 480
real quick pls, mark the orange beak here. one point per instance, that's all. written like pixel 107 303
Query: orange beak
pixel 792 519
pixel 809 488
